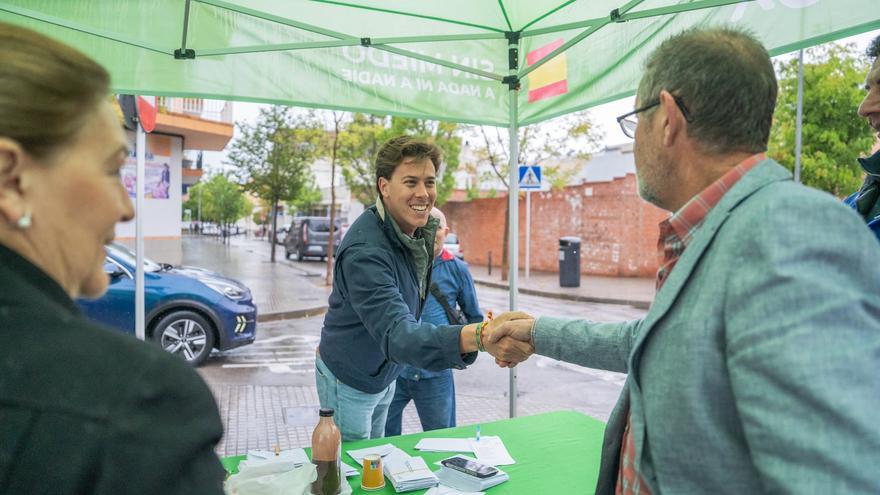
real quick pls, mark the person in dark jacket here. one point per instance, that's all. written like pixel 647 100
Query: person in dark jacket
pixel 867 200
pixel 433 392
pixel 83 408
pixel 382 273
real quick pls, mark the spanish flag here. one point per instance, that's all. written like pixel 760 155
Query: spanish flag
pixel 549 79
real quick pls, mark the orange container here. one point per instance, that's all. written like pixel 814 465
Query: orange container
pixel 372 478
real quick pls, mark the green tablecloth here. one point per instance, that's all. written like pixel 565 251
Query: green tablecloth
pixel 556 452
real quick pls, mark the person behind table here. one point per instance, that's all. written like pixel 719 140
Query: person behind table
pixel 755 369
pixel 83 408
pixel 433 392
pixel 867 200
pixel 381 277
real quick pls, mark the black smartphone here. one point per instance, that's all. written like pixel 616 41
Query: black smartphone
pixel 469 467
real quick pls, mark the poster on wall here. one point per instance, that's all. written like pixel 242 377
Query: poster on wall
pixel 157 176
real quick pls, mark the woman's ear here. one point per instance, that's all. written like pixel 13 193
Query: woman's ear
pixel 12 180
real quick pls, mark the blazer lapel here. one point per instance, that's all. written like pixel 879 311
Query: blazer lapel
pixel 763 174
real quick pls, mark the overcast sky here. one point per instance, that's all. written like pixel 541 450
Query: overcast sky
pixel 603 115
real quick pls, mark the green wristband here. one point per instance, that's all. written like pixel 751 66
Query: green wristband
pixel 479 336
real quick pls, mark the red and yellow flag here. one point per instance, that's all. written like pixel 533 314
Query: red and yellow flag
pixel 549 79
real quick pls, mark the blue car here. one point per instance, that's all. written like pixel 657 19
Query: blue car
pixel 189 311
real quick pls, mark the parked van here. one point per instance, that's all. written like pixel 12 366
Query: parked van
pixel 308 236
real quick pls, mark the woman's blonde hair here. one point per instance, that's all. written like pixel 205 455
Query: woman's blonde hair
pixel 47 89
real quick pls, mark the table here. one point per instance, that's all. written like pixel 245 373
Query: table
pixel 555 452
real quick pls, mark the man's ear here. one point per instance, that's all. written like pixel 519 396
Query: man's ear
pixel 673 121
pixel 13 180
pixel 383 187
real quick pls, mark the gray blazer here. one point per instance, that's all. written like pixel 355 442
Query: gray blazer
pixel 756 368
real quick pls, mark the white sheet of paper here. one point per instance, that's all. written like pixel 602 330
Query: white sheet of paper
pixel 382 450
pixel 445 445
pixel 297 456
pixel 349 471
pixel 448 490
pixel 491 450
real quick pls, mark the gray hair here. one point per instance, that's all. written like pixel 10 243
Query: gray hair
pixel 725 79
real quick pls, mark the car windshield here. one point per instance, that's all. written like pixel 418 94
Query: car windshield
pixel 451 239
pixel 320 225
pixel 128 256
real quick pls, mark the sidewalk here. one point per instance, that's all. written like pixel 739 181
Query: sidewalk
pixel 290 289
pixel 637 292
pixel 281 290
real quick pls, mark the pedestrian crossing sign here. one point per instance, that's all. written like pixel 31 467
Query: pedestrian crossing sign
pixel 529 177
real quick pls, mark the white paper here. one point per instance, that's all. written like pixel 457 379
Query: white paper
pixel 297 456
pixel 445 445
pixel 491 450
pixel 382 450
pixel 448 490
pixel 349 471
pixel 407 473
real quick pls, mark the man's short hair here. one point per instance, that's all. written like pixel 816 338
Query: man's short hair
pixel 401 148
pixel 725 79
pixel 873 50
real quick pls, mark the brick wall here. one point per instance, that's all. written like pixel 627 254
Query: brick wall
pixel 618 230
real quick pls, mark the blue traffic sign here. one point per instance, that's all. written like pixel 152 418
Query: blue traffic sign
pixel 529 177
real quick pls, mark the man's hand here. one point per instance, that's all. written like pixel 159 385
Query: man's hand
pixel 503 340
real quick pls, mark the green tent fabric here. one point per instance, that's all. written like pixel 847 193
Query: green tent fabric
pixel 427 59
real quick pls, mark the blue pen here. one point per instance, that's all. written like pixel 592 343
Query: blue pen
pixel 478 433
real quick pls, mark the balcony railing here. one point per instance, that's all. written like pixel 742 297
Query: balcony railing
pixel 216 110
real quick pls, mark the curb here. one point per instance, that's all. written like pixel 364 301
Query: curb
pixel 292 314
pixel 568 297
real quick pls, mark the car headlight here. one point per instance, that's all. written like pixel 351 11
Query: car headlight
pixel 231 291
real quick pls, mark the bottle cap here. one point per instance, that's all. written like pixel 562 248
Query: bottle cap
pixel 326 412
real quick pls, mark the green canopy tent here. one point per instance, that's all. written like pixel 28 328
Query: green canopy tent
pixel 496 62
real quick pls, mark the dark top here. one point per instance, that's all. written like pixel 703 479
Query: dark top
pixel 456 284
pixel 87 409
pixel 372 325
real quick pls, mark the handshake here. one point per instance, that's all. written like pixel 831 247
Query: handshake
pixel 508 338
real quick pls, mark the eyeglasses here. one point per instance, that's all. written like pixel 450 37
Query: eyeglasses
pixel 629 121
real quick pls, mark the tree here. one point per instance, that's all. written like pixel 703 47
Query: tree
pixel 833 135
pixel 364 135
pixel 334 144
pixel 273 157
pixel 222 201
pixel 573 136
pixel 307 199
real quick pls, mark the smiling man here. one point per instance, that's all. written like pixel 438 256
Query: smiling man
pixel 867 200
pixel 381 277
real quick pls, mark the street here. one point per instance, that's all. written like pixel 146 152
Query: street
pixel 266 391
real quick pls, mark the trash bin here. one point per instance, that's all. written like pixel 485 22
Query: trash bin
pixel 569 261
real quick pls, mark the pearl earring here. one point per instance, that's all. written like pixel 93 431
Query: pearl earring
pixel 24 221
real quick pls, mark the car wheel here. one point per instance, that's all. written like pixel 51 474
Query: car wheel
pixel 286 254
pixel 186 334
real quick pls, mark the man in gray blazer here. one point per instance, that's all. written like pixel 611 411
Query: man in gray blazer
pixel 757 368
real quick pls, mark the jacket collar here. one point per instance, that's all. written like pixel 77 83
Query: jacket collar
pixel 33 285
pixel 871 164
pixel 765 173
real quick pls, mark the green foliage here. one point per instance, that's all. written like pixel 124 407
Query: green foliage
pixel 361 138
pixel 833 134
pixel 222 201
pixel 309 197
pixel 273 156
pixel 560 146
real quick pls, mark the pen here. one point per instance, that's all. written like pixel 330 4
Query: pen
pixel 478 433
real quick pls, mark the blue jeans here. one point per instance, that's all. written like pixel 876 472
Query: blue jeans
pixel 434 399
pixel 359 415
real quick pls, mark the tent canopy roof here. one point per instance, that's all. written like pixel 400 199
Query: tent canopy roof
pixel 430 59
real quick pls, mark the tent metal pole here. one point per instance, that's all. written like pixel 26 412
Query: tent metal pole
pixel 141 150
pixel 185 25
pixel 513 198
pixel 798 135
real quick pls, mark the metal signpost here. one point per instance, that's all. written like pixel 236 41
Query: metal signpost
pixel 529 179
